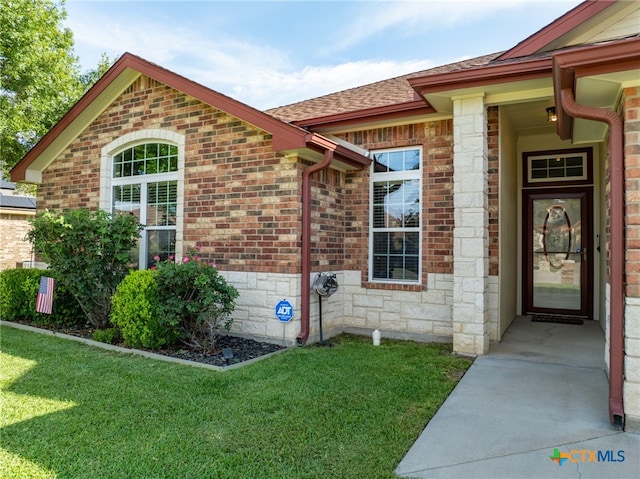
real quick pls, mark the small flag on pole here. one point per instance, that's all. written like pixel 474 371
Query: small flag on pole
pixel 44 303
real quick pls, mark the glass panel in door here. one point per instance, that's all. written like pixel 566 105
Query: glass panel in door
pixel 558 269
pixel 557 254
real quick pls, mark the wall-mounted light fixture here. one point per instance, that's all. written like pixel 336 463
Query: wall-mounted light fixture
pixel 551 114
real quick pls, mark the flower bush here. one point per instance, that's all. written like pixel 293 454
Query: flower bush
pixel 196 298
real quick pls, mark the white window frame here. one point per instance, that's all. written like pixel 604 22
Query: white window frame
pixel 376 177
pixel 107 181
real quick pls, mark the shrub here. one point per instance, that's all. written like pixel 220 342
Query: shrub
pixel 89 252
pixel 109 335
pixel 194 296
pixel 18 292
pixel 135 312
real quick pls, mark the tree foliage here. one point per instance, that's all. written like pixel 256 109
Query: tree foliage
pixel 89 251
pixel 40 76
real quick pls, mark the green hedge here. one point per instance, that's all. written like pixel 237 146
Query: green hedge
pixel 134 310
pixel 18 293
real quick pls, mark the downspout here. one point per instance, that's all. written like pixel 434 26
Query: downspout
pixel 616 263
pixel 305 282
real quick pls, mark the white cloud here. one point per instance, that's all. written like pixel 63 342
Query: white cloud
pixel 262 76
pixel 255 74
pixel 267 88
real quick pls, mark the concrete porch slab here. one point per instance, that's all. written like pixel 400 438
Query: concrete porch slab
pixel 543 387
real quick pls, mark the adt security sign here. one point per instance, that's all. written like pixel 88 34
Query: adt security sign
pixel 284 311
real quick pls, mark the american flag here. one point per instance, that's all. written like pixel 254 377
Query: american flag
pixel 44 303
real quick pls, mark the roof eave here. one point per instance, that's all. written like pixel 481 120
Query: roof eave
pixel 567 22
pixel 348 154
pixel 367 115
pixel 117 79
pixel 485 75
pixel 568 66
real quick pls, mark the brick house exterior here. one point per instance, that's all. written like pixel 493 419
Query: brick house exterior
pixel 15 212
pixel 276 197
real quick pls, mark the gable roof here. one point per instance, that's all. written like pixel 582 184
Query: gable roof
pixel 123 73
pixel 541 40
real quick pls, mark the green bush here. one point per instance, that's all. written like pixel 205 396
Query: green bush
pixel 18 293
pixel 109 335
pixel 18 290
pixel 135 312
pixel 194 296
pixel 89 252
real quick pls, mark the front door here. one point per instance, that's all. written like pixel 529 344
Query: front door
pixel 558 265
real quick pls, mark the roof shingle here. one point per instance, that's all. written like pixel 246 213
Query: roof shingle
pixel 379 94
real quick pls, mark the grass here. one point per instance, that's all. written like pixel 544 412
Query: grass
pixel 352 411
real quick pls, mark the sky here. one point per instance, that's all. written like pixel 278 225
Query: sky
pixel 269 53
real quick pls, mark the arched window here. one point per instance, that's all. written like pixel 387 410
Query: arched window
pixel 145 181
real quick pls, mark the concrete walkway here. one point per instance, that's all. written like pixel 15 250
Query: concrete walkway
pixel 542 388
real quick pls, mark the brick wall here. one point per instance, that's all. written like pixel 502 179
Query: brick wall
pixel 631 386
pixel 241 199
pixel 632 190
pixel 13 246
pixel 435 138
pixel 327 220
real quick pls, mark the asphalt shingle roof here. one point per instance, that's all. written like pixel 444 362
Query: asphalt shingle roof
pixel 379 94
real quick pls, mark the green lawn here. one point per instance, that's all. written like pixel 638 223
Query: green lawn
pixel 351 411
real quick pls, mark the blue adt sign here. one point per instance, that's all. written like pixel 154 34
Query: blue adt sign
pixel 284 311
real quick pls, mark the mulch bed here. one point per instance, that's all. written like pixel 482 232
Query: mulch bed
pixel 243 349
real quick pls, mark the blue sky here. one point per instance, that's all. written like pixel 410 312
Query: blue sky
pixel 272 53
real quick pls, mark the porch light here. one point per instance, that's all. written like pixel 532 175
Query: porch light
pixel 551 114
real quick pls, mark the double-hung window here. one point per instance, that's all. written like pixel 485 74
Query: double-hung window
pixel 395 239
pixel 145 184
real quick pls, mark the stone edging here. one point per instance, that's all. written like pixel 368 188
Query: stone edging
pixel 138 352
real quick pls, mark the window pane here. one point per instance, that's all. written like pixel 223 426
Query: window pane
pixel 146 159
pixel 151 151
pixel 396 204
pixel 412 160
pixel 139 152
pixel 126 198
pixel 396 256
pixel 163 165
pixel 162 200
pixel 401 160
pixel 396 161
pixel 160 243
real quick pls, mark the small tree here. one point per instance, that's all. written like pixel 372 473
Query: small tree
pixel 89 251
